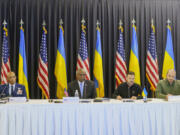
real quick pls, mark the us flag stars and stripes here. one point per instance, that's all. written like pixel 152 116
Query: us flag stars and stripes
pixel 5 68
pixel 43 81
pixel 83 60
pixel 120 67
pixel 151 61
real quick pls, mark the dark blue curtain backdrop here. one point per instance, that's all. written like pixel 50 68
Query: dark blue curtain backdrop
pixel 108 12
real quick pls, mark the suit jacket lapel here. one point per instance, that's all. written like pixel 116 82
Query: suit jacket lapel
pixel 15 88
pixel 85 89
pixel 7 90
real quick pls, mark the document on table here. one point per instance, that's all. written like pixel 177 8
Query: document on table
pixel 174 98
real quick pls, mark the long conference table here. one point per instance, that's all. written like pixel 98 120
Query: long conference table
pixel 39 117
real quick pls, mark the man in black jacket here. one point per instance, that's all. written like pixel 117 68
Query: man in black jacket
pixel 129 89
pixel 86 88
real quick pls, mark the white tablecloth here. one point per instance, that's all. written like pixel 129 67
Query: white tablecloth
pixel 38 117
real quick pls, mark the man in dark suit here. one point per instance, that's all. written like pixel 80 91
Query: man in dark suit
pixel 128 89
pixel 86 88
pixel 12 88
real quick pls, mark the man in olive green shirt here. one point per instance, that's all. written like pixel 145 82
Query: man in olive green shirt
pixel 168 86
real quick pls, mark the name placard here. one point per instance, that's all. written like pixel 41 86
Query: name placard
pixel 70 99
pixel 174 98
pixel 17 99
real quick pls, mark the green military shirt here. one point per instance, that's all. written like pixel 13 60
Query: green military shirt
pixel 164 88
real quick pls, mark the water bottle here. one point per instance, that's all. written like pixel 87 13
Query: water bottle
pixel 76 93
pixel 145 98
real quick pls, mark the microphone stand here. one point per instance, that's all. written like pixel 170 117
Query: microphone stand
pixel 129 92
pixel 85 89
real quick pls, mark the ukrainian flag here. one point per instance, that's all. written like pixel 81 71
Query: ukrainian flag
pixel 134 57
pixel 98 67
pixel 168 62
pixel 60 66
pixel 22 69
pixel 144 92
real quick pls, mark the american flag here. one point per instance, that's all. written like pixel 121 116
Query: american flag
pixel 42 78
pixel 83 60
pixel 151 61
pixel 5 68
pixel 120 67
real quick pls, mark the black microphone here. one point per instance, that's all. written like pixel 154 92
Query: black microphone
pixel 128 92
pixel 2 92
pixel 85 85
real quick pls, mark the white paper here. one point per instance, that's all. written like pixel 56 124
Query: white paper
pixel 174 98
pixel 17 99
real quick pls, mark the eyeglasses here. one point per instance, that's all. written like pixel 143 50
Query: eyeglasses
pixel 11 77
pixel 82 74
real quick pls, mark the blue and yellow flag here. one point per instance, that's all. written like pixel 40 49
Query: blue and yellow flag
pixel 168 62
pixel 134 57
pixel 144 92
pixel 22 69
pixel 60 67
pixel 98 67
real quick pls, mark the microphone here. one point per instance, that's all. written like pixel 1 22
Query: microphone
pixel 85 85
pixel 128 92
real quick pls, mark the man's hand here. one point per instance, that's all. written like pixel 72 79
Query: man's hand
pixel 168 96
pixel 119 97
pixel 19 92
pixel 134 97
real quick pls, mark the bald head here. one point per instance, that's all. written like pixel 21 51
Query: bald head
pixel 80 75
pixel 171 74
pixel 11 78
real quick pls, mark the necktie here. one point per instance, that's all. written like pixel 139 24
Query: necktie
pixel 11 91
pixel 81 89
